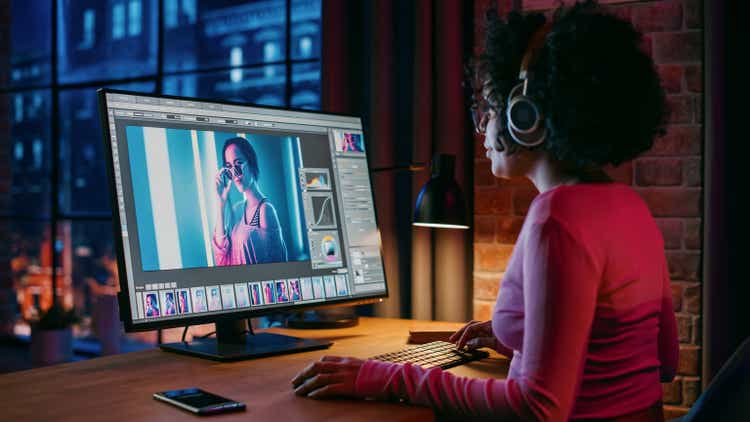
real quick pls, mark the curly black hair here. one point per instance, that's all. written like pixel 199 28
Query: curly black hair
pixel 599 92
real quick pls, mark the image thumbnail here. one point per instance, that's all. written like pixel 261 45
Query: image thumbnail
pixel 151 304
pixel 317 285
pixel 307 288
pixel 269 292
pixel 168 303
pixel 294 290
pixel 325 248
pixel 227 296
pixel 282 293
pixel 315 179
pixel 199 299
pixel 214 298
pixel 341 286
pixel 243 301
pixel 183 301
pixel 255 296
pixel 330 286
pixel 349 141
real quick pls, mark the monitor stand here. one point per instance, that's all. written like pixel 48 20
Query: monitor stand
pixel 235 340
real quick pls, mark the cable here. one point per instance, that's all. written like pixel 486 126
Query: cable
pixel 184 332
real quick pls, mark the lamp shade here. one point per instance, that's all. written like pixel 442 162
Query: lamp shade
pixel 441 203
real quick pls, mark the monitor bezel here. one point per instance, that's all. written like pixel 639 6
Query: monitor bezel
pixel 123 295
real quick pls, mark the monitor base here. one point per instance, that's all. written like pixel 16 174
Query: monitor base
pixel 232 345
pixel 323 318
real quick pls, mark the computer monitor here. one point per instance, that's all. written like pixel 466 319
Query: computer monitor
pixel 224 211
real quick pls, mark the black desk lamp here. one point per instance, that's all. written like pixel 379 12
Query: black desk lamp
pixel 440 204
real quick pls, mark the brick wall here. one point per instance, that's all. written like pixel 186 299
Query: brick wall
pixel 668 177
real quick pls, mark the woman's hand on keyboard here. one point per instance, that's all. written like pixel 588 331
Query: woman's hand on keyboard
pixel 331 376
pixel 475 334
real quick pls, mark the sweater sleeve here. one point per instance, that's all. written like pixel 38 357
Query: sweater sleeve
pixel 560 287
pixel 669 346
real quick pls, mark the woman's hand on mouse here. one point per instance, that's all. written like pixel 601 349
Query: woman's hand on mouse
pixel 331 376
pixel 474 334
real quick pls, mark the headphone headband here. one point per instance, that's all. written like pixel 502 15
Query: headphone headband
pixel 535 43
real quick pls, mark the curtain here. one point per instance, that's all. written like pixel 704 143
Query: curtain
pixel 399 65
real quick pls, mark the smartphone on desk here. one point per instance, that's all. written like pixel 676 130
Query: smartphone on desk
pixel 199 402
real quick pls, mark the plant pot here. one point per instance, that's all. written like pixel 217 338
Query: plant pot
pixel 49 347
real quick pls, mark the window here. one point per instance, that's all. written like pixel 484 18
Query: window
pixel 54 198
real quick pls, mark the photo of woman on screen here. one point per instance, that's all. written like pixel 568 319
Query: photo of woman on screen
pixel 247 232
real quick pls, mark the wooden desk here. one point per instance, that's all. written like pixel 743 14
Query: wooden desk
pixel 120 387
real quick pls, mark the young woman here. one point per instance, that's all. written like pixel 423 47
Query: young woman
pixel 247 232
pixel 584 307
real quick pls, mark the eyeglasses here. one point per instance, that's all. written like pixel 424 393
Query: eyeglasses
pixel 482 97
pixel 481 111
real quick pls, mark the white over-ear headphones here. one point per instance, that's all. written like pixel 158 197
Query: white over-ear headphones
pixel 525 118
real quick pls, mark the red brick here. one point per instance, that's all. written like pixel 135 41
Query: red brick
pixel 679 140
pixel 671 77
pixel 692 172
pixel 622 173
pixel 691 298
pixel 490 257
pixel 658 172
pixel 483 310
pixel 680 108
pixel 694 78
pixel 697 330
pixel 492 201
pixel 698 108
pixel 670 47
pixel 647 45
pixel 672 202
pixel 694 14
pixel 507 229
pixel 674 412
pixel 683 265
pixel 672 391
pixel 522 200
pixel 484 228
pixel 485 288
pixel 689 360
pixel 483 174
pixel 671 231
pixel 661 16
pixel 693 234
pixel 684 327
pixel 677 289
pixel 691 389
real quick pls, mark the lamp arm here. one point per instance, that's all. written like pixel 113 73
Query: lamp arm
pixel 411 167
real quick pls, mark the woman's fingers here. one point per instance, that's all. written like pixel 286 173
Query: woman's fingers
pixel 475 330
pixel 478 342
pixel 314 383
pixel 457 335
pixel 328 391
pixel 313 369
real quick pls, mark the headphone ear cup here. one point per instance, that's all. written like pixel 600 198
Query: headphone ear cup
pixel 525 120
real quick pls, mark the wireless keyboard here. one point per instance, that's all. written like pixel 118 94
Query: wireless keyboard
pixel 436 353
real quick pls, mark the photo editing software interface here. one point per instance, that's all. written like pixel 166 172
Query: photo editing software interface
pixel 225 208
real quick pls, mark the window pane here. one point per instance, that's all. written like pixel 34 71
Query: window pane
pixel 83 178
pixel 25 127
pixel 264 86
pixel 306 86
pixel 106 40
pixel 30 43
pixel 305 29
pixel 222 33
pixel 29 249
pixel 88 259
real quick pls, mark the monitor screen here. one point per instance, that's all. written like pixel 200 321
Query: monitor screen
pixel 224 208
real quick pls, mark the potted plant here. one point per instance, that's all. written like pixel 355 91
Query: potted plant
pixel 52 336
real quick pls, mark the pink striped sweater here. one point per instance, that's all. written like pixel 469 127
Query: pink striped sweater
pixel 584 308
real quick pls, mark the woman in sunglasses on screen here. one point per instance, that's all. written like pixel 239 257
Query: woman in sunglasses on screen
pixel 584 308
pixel 247 232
